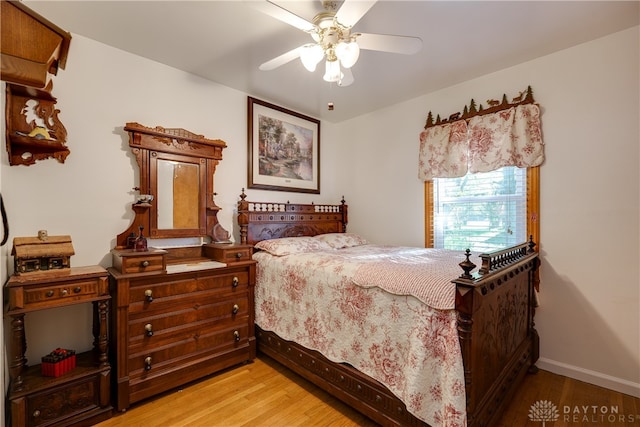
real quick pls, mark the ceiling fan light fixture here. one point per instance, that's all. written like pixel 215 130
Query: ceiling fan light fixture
pixel 348 53
pixel 333 38
pixel 311 55
pixel 332 72
pixel 347 78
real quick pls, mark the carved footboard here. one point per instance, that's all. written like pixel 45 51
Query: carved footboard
pixel 496 329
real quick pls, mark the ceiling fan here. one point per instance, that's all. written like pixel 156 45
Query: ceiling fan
pixel 333 38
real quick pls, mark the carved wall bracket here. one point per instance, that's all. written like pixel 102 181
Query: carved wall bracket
pixel 34 131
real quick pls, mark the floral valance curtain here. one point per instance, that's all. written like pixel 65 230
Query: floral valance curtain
pixel 482 143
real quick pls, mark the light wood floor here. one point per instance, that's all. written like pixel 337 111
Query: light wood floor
pixel 264 393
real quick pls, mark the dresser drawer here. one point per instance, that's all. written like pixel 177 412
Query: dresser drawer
pixel 228 253
pixel 146 294
pixel 211 339
pixel 186 320
pixel 143 264
pixel 128 261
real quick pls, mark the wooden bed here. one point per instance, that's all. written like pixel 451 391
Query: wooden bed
pixel 495 311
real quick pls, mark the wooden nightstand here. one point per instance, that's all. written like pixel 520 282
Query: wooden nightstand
pixel 81 396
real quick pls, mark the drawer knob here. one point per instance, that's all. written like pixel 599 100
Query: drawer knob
pixel 144 264
pixel 64 292
pixel 148 295
pixel 36 413
pixel 236 336
pixel 235 281
pixel 77 289
pixel 148 330
pixel 49 294
pixel 147 363
pixel 239 255
pixel 235 309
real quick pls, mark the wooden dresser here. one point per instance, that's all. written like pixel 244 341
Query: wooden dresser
pixel 79 397
pixel 184 312
pixel 176 325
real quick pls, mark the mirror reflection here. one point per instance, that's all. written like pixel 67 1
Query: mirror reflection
pixel 178 191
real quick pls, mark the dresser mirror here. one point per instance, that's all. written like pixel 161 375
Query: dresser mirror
pixel 180 205
pixel 177 169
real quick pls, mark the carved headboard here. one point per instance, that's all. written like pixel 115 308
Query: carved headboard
pixel 271 220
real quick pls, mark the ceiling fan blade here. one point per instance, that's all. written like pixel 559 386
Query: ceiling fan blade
pixel 282 59
pixel 282 14
pixel 389 43
pixel 352 11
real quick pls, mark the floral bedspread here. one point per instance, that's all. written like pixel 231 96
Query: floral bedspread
pixel 410 347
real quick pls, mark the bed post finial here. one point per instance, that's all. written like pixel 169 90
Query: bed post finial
pixel 467 266
pixel 345 214
pixel 243 217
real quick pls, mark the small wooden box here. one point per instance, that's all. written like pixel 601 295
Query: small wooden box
pixel 32 254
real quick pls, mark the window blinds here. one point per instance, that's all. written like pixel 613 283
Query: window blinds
pixel 482 211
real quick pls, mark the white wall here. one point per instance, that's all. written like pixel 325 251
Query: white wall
pixel 589 316
pixel 588 320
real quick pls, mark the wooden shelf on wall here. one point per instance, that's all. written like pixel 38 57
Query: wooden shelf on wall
pixel 32 48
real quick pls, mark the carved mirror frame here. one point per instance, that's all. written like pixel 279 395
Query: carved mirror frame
pixel 151 145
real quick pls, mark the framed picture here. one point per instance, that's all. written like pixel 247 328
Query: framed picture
pixel 284 149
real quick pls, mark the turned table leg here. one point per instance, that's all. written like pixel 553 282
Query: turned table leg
pixel 100 331
pixel 18 349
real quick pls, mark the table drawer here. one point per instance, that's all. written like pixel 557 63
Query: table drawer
pixel 56 288
pixel 46 294
pixel 50 406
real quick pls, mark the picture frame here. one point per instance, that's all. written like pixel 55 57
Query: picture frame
pixel 284 149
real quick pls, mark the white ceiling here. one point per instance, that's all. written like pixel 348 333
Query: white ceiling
pixel 226 41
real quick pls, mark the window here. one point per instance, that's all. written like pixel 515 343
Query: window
pixel 484 212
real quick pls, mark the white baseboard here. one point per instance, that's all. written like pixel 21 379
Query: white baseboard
pixel 591 377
